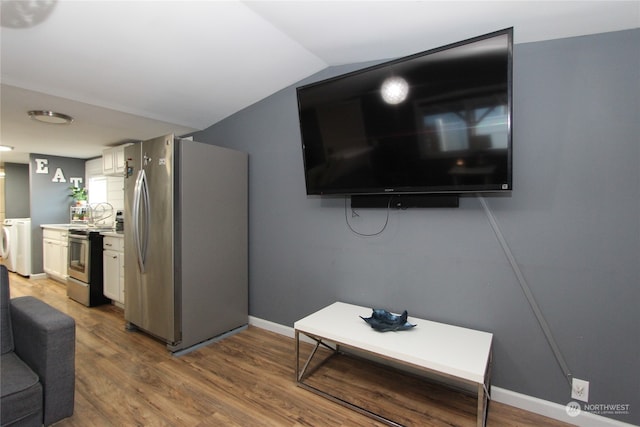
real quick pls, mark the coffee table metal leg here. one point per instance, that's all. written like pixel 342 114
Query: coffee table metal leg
pixel 300 373
pixel 484 394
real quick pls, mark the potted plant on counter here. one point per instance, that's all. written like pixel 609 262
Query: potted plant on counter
pixel 79 195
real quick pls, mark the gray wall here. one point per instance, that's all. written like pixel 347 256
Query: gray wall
pixel 572 223
pixel 16 186
pixel 50 201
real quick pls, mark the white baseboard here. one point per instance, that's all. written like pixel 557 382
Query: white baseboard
pixel 38 276
pixel 552 410
pixel 272 326
pixel 508 397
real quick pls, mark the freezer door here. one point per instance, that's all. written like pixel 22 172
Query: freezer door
pixel 150 300
pixel 133 307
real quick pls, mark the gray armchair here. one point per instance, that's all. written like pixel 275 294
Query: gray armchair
pixel 38 360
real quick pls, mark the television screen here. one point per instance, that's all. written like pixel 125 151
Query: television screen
pixel 434 122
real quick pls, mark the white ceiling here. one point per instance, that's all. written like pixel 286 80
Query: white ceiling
pixel 132 70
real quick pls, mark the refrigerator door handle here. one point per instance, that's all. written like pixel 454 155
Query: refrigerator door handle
pixel 141 237
pixel 147 219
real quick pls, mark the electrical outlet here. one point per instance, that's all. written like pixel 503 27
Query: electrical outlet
pixel 580 390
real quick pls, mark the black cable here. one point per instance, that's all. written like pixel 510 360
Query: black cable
pixel 346 218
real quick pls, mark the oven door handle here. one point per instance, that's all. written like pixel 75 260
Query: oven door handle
pixel 141 202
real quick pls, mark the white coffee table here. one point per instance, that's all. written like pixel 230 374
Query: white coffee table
pixel 458 354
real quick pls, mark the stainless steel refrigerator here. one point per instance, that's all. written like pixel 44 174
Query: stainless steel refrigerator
pixel 186 237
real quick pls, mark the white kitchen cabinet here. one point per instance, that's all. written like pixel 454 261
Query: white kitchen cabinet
pixel 113 161
pixel 113 268
pixel 55 248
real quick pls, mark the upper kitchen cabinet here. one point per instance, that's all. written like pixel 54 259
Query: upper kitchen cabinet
pixel 113 160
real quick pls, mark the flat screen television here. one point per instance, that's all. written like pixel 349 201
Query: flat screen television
pixel 434 122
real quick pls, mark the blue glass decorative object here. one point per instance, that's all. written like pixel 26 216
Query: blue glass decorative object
pixel 384 321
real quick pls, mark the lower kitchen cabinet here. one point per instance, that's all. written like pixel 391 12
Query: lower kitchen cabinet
pixel 55 248
pixel 113 268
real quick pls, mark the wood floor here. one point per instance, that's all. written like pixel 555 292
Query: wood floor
pixel 128 379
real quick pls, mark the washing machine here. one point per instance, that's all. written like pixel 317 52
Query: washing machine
pixel 9 243
pixel 23 256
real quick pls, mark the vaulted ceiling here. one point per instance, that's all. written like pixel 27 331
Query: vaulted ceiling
pixel 131 70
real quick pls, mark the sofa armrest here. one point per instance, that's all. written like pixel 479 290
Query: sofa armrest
pixel 44 339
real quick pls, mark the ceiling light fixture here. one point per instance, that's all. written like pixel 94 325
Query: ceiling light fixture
pixel 5 148
pixel 50 117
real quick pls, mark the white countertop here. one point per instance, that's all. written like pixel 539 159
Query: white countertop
pixel 111 233
pixel 63 226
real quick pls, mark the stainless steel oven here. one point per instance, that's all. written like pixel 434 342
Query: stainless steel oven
pixel 79 251
pixel 84 268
